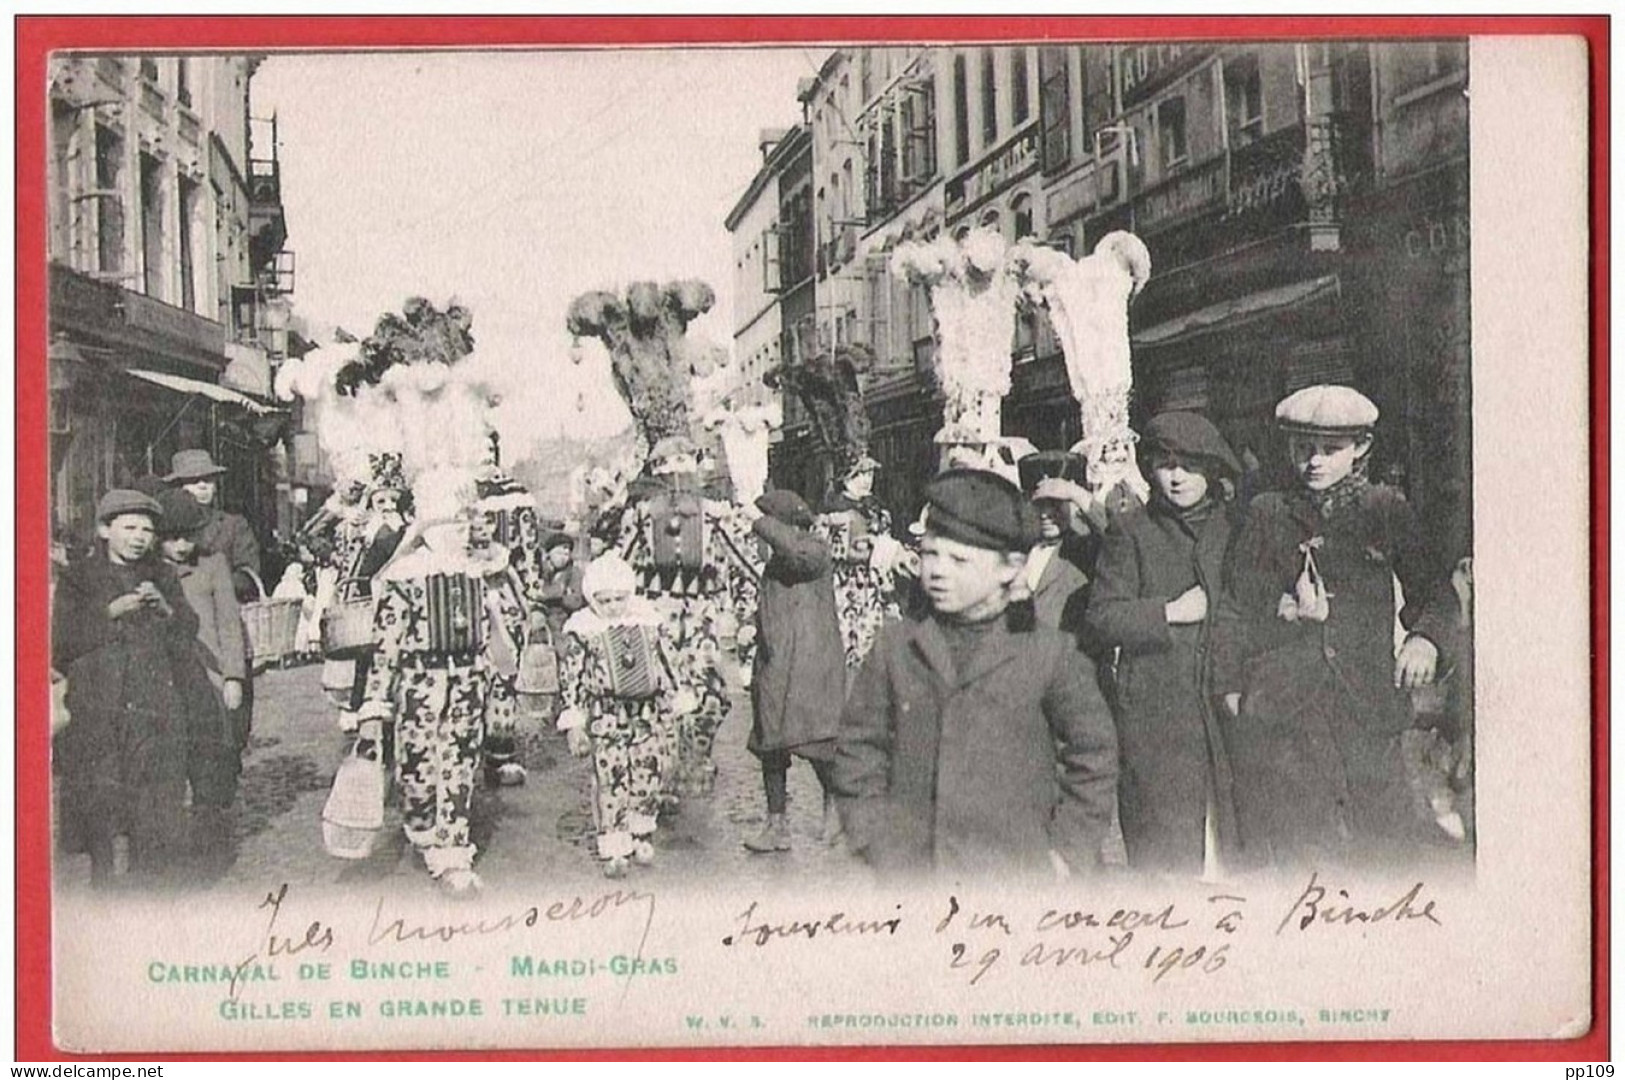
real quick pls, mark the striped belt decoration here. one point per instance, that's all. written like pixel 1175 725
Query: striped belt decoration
pixel 456 623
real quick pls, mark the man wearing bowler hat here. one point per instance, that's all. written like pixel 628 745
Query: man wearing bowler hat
pixel 973 744
pixel 195 472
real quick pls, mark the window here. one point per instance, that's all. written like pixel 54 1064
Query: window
pixel 990 101
pixel 188 205
pixel 183 81
pixel 64 119
pixel 919 137
pixel 1054 107
pixel 109 201
pixel 1171 133
pixel 1022 211
pixel 1243 101
pixel 149 69
pixel 866 73
pixel 152 227
pixel 991 220
pixel 1020 107
pixel 961 111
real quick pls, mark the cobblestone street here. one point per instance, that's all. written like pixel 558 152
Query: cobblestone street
pixel 540 831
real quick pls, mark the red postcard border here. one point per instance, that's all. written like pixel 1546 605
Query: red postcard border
pixel 37 36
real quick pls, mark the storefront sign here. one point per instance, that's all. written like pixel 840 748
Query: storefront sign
pixel 1075 196
pixel 1180 199
pixel 1439 236
pixel 1266 188
pixel 1142 70
pixel 1019 157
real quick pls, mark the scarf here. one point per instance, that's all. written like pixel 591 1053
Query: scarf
pixel 1342 495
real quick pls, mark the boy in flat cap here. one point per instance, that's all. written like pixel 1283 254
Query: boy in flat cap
pixel 971 744
pixel 1321 710
pixel 125 638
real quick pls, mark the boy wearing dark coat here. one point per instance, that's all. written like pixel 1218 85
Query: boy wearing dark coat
pixel 1156 600
pixel 1322 703
pixel 971 744
pixel 800 663
pixel 125 638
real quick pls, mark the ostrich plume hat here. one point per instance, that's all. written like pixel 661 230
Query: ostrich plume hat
pixel 1326 410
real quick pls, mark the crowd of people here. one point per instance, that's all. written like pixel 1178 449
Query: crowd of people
pixel 1031 669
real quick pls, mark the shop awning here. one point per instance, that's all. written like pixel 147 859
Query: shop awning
pixel 1233 313
pixel 213 391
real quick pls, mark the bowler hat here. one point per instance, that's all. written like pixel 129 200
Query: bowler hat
pixel 182 514
pixel 1049 464
pixel 192 465
pixel 1326 410
pixel 125 501
pixel 981 509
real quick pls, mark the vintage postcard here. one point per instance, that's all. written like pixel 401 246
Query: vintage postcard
pixel 847 543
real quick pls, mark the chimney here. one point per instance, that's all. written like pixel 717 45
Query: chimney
pixel 768 138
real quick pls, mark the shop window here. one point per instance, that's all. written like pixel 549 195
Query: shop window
pixel 990 101
pixel 1020 107
pixel 109 200
pixel 1171 134
pixel 961 111
pixel 1244 101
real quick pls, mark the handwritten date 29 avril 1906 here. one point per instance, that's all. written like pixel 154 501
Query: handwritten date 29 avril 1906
pixel 1179 941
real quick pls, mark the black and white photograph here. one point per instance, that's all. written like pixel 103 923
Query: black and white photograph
pixel 811 544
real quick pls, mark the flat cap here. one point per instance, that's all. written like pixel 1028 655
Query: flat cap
pixel 182 514
pixel 125 501
pixel 1188 435
pixel 1326 410
pixel 553 538
pixel 1049 465
pixel 981 509
pixel 785 505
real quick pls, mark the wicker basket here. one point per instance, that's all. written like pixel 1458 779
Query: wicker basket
pixel 353 819
pixel 347 629
pixel 272 626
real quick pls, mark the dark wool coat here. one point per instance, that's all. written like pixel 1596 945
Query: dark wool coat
pixel 983 771
pixel 133 684
pixel 1061 597
pixel 1173 755
pixel 1317 747
pixel 799 669
pixel 232 536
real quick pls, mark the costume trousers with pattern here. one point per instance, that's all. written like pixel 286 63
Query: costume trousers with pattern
pixel 627 767
pixel 689 631
pixel 439 725
pixel 502 721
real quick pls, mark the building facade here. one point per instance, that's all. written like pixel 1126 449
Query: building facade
pixel 169 279
pixel 1305 206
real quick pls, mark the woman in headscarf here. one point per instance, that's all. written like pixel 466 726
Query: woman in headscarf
pixel 1155 599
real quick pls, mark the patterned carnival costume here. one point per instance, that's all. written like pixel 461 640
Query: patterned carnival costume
pixel 507 514
pixel 616 687
pixel 695 560
pixel 853 523
pixel 432 674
